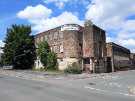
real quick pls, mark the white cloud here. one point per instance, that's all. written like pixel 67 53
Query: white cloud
pixel 133 50
pixel 2 43
pixel 59 3
pixel 110 11
pixel 36 12
pixel 49 1
pixel 112 15
pixel 129 25
pixel 109 39
pixel 127 42
pixel 43 22
pixel 126 35
pixel 64 18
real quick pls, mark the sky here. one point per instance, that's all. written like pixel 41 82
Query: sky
pixel 116 17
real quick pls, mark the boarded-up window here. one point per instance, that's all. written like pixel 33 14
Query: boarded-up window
pixel 50 36
pixel 60 35
pixel 55 35
pixel 96 49
pixel 61 48
pixel 56 49
pixel 41 38
pixel 45 37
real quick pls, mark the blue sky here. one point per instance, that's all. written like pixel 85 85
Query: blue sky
pixel 10 8
pixel 117 17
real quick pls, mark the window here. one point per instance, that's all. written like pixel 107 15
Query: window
pixel 61 35
pixel 55 35
pixel 80 49
pixel 61 48
pixel 56 49
pixel 45 37
pixel 50 36
pixel 86 61
pixel 41 38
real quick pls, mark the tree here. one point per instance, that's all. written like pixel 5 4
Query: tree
pixel 42 51
pixel 52 61
pixel 47 58
pixel 19 49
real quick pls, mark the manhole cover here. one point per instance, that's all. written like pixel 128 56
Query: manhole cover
pixel 92 83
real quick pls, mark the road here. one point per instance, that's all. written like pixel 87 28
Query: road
pixel 62 89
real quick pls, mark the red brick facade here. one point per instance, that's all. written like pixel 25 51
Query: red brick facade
pixel 74 43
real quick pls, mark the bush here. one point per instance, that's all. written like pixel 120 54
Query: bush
pixel 52 61
pixel 42 52
pixel 47 57
pixel 75 68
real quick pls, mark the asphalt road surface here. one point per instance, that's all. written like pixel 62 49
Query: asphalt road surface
pixel 63 89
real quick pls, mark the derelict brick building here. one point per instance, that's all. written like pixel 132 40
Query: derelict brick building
pixel 118 57
pixel 132 58
pixel 94 48
pixel 74 43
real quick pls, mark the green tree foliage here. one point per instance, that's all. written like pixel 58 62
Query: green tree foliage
pixel 19 49
pixel 52 61
pixel 47 58
pixel 42 51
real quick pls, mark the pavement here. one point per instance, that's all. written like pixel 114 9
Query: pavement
pixel 40 86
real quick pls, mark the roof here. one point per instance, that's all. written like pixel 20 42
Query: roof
pixel 56 28
pixel 98 27
pixel 63 25
pixel 121 48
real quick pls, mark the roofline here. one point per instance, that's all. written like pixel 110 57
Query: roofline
pixel 99 27
pixel 56 28
pixel 132 53
pixel 66 24
pixel 112 43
